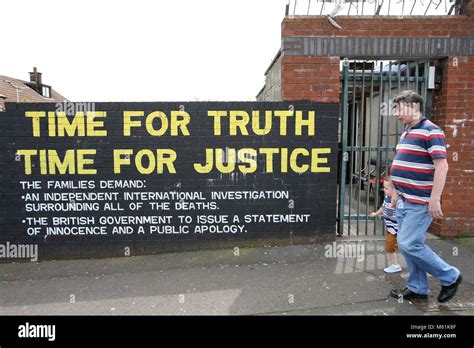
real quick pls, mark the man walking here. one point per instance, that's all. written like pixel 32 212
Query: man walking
pixel 418 173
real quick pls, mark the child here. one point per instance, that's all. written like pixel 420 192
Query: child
pixel 390 224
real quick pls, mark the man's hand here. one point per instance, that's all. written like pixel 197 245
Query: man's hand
pixel 434 208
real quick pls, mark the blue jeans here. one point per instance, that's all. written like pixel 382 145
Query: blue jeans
pixel 413 222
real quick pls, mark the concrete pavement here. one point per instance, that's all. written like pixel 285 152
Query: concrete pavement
pixel 291 280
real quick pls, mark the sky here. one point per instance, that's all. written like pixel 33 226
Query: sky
pixel 150 50
pixel 180 50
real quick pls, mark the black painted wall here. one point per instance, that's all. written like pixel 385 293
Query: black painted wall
pixel 308 193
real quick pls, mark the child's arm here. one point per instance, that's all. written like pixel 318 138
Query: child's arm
pixel 377 213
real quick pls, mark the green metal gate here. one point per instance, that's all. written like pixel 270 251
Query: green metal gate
pixel 369 134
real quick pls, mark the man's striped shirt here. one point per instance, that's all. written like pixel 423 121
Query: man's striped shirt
pixel 413 168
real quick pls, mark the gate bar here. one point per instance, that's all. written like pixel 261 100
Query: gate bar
pixel 352 142
pixel 345 155
pixel 367 202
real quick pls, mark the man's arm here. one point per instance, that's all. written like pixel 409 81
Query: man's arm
pixel 441 171
pixel 394 199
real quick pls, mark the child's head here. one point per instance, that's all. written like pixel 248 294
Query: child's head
pixel 388 186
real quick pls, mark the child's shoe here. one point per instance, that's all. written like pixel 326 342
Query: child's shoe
pixel 393 269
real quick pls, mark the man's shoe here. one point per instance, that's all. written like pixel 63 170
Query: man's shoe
pixel 448 292
pixel 407 294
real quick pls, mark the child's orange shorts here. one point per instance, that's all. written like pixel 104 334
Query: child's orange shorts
pixel 391 245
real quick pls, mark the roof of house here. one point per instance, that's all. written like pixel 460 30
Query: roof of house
pixel 26 94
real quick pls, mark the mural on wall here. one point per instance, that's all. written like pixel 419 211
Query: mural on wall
pixel 80 176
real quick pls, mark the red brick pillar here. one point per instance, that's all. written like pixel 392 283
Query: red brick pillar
pixel 453 110
pixel 311 78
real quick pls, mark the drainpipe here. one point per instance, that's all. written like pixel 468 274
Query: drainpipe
pixel 17 88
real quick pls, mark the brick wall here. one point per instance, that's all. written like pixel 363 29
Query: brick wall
pixel 272 89
pixel 316 78
pixel 311 78
pixel 28 216
pixel 378 26
pixel 453 107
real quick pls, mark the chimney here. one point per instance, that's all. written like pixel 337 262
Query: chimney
pixel 35 78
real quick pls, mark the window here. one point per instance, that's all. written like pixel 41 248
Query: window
pixel 46 91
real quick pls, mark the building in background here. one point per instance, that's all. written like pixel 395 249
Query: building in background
pixel 360 55
pixel 34 91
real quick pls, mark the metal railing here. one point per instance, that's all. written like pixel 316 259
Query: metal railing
pixel 375 7
pixel 369 135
